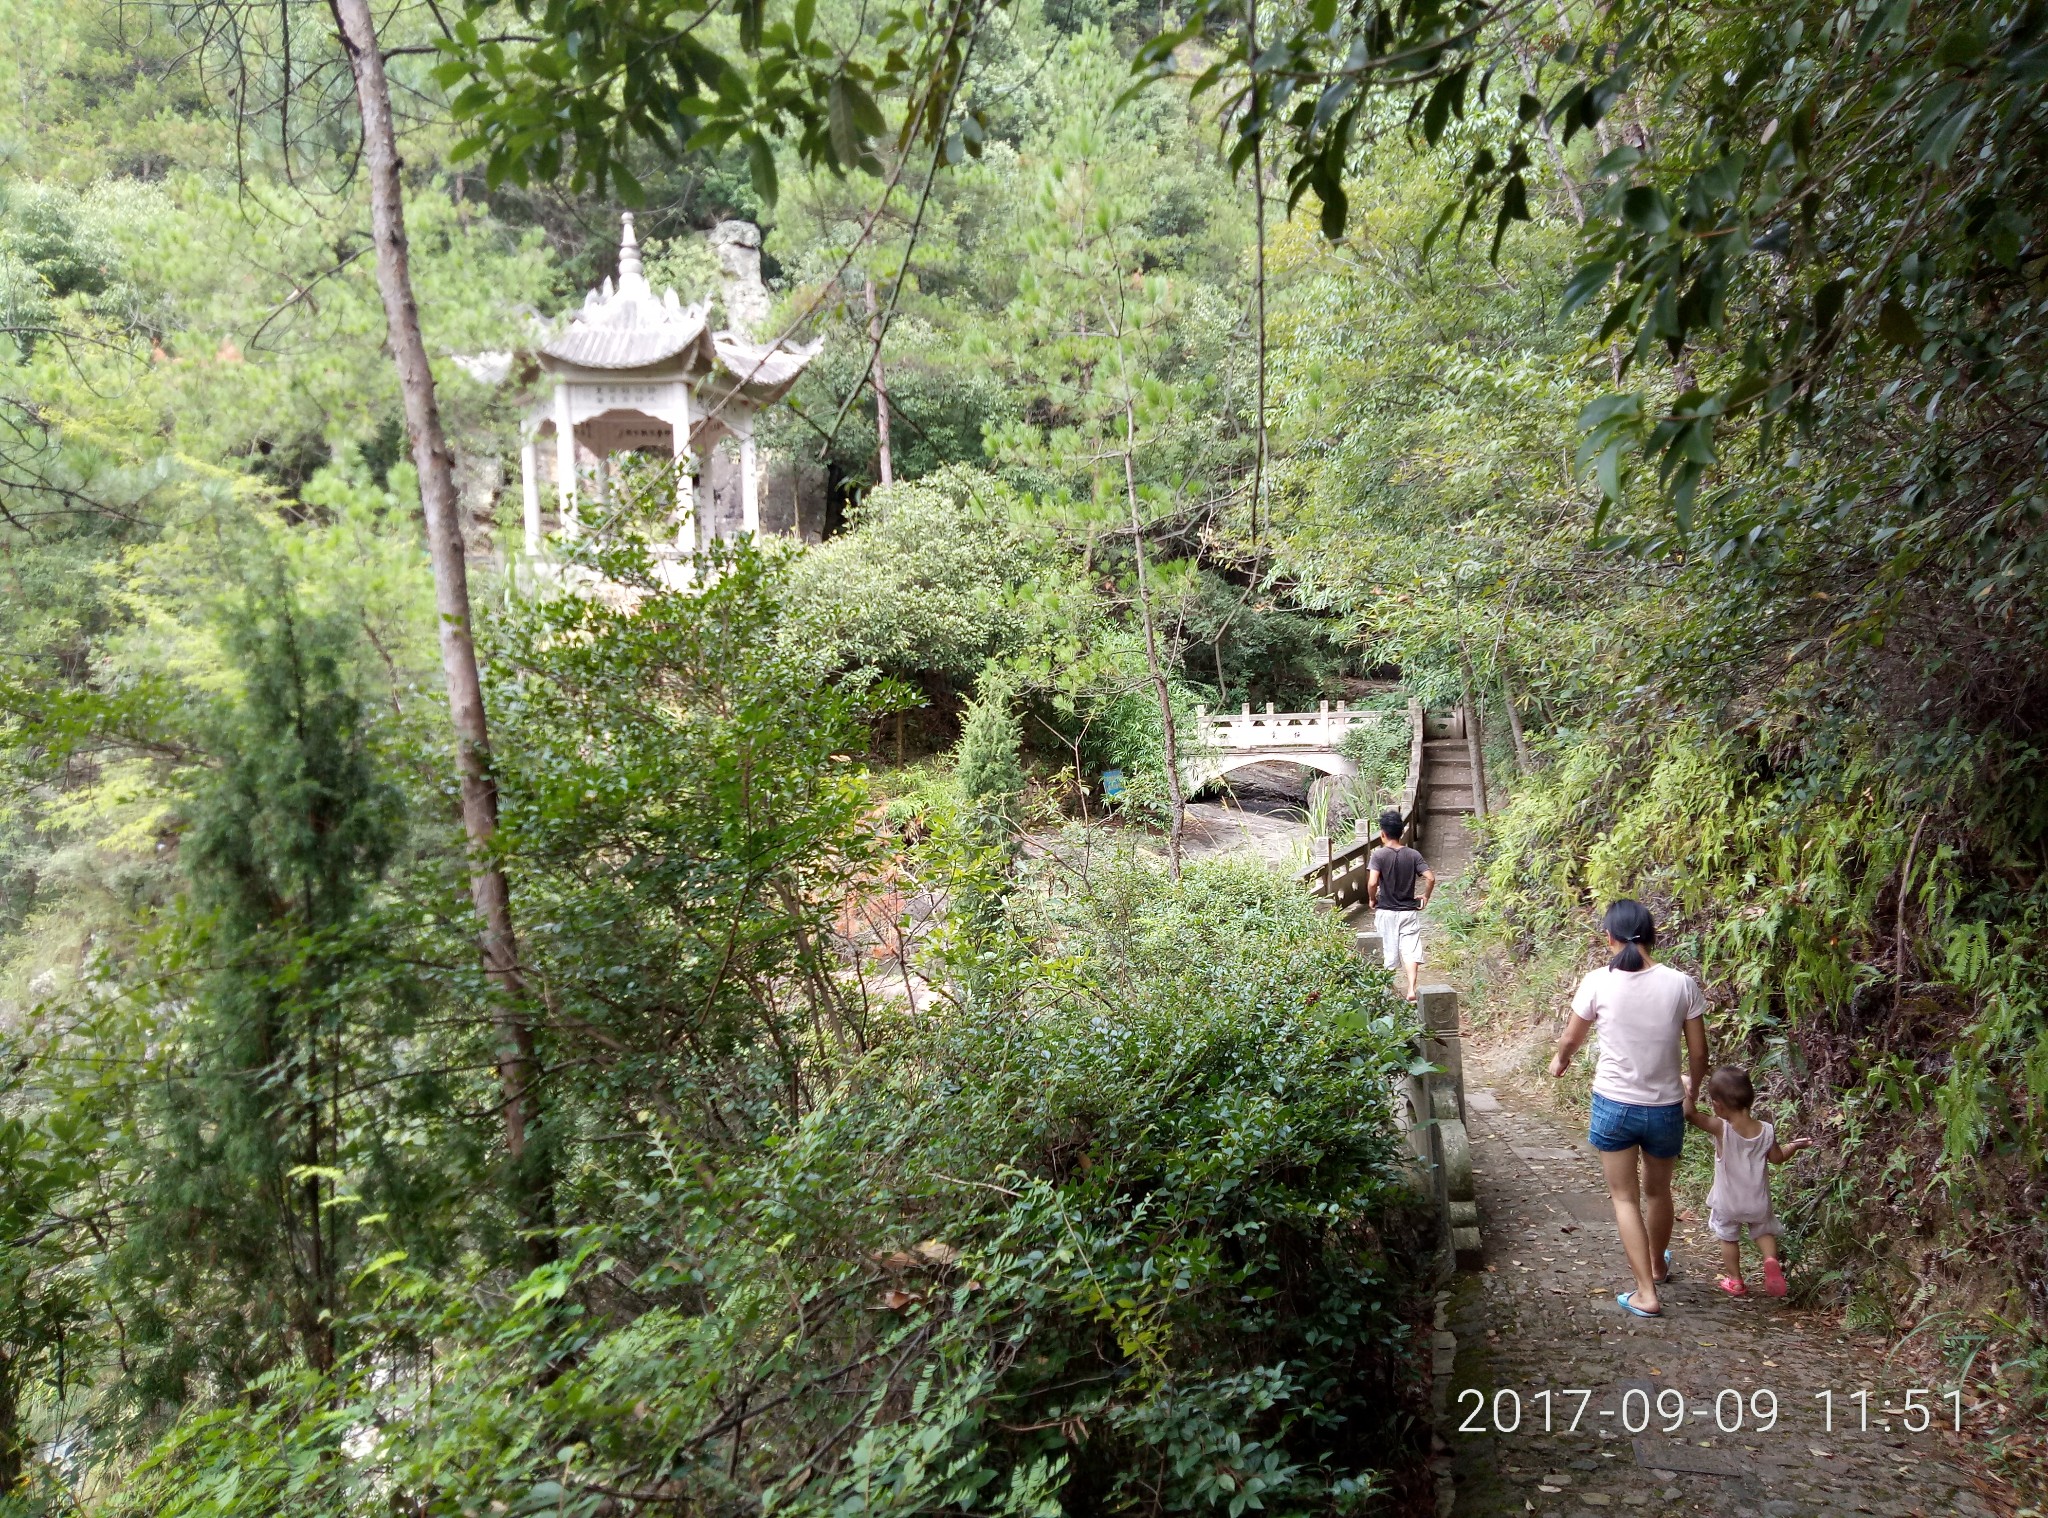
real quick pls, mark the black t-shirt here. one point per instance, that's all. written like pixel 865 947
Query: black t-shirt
pixel 1400 868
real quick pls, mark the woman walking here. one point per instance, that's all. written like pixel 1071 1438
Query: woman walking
pixel 1643 1010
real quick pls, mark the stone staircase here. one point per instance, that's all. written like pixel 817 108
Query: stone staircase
pixel 1450 774
pixel 1439 797
pixel 1449 795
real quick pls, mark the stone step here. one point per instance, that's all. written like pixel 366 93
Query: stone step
pixel 1451 798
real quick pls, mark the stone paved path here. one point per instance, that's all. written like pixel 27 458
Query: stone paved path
pixel 1542 1316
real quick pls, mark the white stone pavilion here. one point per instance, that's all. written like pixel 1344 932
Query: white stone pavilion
pixel 633 372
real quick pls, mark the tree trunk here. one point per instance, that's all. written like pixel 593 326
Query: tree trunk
pixel 13 1448
pixel 1259 458
pixel 321 1311
pixel 1524 764
pixel 518 1069
pixel 1475 742
pixel 1899 926
pixel 1564 24
pixel 1557 163
pixel 1170 737
pixel 885 468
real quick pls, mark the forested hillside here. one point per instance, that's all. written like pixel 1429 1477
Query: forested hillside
pixel 505 1024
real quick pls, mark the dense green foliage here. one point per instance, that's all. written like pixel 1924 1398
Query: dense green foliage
pixel 883 1165
pixel 995 1268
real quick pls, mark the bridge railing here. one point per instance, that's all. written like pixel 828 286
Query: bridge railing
pixel 1244 728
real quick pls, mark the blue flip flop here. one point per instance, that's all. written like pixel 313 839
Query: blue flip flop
pixel 1630 1307
pixel 1670 1275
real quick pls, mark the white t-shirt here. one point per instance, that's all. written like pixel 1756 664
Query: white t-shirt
pixel 1641 1017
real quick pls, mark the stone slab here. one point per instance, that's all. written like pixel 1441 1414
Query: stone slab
pixel 1654 1454
pixel 1590 1209
pixel 1482 1099
pixel 1468 1248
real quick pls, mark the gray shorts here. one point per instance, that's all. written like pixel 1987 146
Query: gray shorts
pixel 1400 937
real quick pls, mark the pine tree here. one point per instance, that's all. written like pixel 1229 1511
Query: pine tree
pixel 289 834
pixel 990 772
pixel 1101 351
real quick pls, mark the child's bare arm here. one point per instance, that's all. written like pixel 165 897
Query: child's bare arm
pixel 1784 1149
pixel 1702 1119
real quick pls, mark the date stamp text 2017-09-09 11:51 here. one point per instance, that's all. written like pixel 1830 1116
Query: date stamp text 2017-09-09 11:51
pixel 1568 1409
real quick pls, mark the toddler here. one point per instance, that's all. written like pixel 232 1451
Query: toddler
pixel 1743 1148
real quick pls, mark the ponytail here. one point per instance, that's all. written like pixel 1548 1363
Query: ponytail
pixel 1629 924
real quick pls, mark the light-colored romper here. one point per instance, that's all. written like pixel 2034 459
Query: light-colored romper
pixel 1742 1184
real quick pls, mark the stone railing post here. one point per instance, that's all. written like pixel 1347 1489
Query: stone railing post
pixel 1434 1117
pixel 1443 1046
pixel 1438 1006
pixel 1426 1151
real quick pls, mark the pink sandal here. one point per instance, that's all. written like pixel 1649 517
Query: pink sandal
pixel 1733 1286
pixel 1774 1279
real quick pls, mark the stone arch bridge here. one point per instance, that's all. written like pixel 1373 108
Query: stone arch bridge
pixel 1440 793
pixel 1237 740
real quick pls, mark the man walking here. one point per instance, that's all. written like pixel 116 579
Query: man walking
pixel 1392 874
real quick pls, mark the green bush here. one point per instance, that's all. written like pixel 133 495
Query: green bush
pixel 990 772
pixel 1381 753
pixel 1128 1236
pixel 914 590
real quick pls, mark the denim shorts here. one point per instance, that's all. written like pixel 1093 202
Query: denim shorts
pixel 1617 1126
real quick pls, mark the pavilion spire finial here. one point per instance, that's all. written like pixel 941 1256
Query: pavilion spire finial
pixel 631 279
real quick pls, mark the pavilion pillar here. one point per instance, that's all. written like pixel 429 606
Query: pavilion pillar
pixel 750 487
pixel 565 460
pixel 529 489
pixel 685 467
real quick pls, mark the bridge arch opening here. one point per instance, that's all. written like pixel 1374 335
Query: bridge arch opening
pixel 1216 770
pixel 1274 787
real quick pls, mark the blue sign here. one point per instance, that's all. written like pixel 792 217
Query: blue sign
pixel 1112 782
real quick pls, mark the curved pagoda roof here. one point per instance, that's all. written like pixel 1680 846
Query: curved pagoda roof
pixel 625 328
